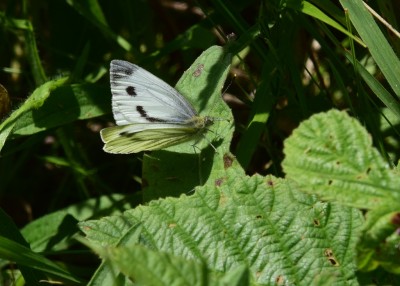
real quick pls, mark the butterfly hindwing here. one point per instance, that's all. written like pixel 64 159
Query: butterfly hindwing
pixel 139 137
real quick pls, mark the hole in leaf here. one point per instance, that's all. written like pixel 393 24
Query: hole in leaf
pixel 333 262
pixel 331 258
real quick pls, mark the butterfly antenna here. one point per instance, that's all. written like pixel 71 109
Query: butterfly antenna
pixel 195 148
pixel 191 191
pixel 209 142
pixel 229 85
pixel 200 174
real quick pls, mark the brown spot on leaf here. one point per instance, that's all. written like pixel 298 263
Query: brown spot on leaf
pixel 279 280
pixel 223 199
pixel 219 181
pixel 328 252
pixel 331 257
pixel 228 160
pixel 198 70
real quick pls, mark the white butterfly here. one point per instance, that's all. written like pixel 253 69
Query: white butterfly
pixel 150 114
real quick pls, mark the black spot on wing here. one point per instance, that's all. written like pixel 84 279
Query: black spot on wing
pixel 115 77
pixel 143 114
pixel 140 109
pixel 121 69
pixel 128 71
pixel 131 90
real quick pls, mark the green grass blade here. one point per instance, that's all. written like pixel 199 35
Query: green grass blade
pixel 378 45
pixel 309 9
pixel 10 250
pixel 92 11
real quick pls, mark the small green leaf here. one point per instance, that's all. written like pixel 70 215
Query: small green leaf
pixel 380 240
pixel 66 104
pixel 35 101
pixel 52 232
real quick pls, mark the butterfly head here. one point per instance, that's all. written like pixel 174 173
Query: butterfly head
pixel 202 123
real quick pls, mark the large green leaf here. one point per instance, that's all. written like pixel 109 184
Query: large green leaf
pixel 264 224
pixel 201 84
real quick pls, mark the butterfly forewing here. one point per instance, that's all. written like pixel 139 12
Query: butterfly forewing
pixel 139 96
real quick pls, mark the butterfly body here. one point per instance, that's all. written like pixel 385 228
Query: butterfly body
pixel 149 113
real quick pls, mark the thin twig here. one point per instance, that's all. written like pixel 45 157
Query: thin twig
pixel 383 21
